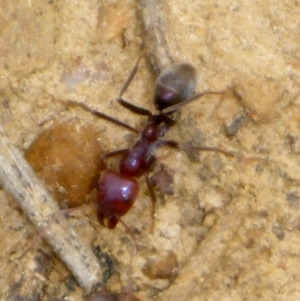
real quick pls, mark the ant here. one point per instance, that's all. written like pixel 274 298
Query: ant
pixel 118 190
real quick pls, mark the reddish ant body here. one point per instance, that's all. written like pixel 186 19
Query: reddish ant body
pixel 117 191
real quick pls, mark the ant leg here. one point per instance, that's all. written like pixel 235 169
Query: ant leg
pixel 135 109
pixel 177 145
pixel 114 153
pixel 153 199
pixel 111 154
pixel 102 116
pixel 131 75
pixel 192 98
pixel 129 231
pixel 134 244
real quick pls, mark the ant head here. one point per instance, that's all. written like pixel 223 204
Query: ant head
pixel 116 194
pixel 175 84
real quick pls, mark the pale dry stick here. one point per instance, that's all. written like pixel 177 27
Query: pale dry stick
pixel 205 260
pixel 158 39
pixel 20 181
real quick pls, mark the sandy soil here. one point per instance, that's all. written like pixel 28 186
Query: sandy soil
pixel 230 230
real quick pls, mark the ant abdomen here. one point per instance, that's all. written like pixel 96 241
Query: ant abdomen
pixel 175 84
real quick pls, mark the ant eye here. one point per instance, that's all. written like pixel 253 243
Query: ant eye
pixel 175 84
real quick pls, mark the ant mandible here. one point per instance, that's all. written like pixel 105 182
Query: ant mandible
pixel 118 190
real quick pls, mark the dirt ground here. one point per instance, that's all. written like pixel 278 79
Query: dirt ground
pixel 228 229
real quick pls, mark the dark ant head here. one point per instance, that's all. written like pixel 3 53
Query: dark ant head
pixel 116 195
pixel 175 84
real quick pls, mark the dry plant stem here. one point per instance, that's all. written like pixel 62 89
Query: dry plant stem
pixel 157 40
pixel 20 181
pixel 192 276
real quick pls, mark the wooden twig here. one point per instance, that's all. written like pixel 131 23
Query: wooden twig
pixel 158 42
pixel 21 182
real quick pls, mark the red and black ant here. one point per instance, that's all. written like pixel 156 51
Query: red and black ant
pixel 118 190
